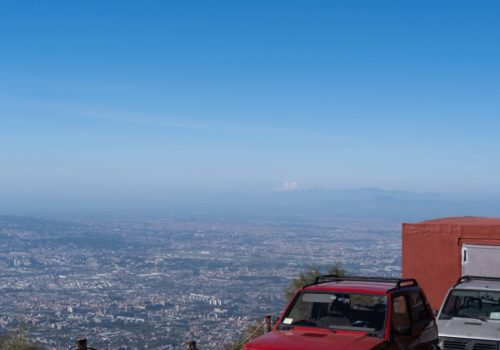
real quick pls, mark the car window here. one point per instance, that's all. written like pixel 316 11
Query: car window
pixel 400 314
pixel 482 304
pixel 419 310
pixel 351 311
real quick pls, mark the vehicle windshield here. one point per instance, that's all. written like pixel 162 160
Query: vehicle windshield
pixel 479 304
pixel 349 311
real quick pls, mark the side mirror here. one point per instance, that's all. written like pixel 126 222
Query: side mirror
pixel 403 330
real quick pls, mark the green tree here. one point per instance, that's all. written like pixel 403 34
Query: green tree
pixel 16 340
pixel 309 276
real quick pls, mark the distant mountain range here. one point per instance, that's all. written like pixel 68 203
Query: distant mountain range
pixel 361 203
pixel 388 204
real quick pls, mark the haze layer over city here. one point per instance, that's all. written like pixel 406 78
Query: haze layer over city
pixel 167 168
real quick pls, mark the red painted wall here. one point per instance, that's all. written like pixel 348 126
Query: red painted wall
pixel 432 250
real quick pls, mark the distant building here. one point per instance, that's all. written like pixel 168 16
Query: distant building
pixel 438 252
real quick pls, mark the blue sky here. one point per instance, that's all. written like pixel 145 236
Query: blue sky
pixel 160 98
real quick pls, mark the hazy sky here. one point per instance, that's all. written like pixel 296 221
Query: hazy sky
pixel 152 98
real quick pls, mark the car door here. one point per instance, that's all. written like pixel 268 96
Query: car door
pixel 403 336
pixel 423 322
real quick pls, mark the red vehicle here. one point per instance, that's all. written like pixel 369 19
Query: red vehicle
pixel 355 313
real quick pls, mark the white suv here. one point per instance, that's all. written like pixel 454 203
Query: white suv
pixel 469 318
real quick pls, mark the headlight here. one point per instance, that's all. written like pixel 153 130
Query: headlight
pixel 441 343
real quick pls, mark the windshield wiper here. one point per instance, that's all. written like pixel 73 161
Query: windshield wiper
pixel 473 317
pixel 374 334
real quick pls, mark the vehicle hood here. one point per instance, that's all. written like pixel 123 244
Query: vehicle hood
pixel 458 327
pixel 313 340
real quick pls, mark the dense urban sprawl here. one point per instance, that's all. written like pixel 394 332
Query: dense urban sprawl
pixel 153 283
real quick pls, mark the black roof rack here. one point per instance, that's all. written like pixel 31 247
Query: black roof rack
pixel 400 282
pixel 470 278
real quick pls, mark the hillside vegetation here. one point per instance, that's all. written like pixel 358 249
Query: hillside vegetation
pixel 16 340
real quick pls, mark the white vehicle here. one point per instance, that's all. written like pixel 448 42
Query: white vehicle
pixel 469 318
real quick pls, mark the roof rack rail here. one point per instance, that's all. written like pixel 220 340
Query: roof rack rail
pixel 470 278
pixel 326 278
pixel 400 282
pixel 407 282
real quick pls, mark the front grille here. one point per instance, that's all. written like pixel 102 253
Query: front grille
pixel 469 344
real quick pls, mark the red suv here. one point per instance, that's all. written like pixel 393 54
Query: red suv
pixel 356 313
